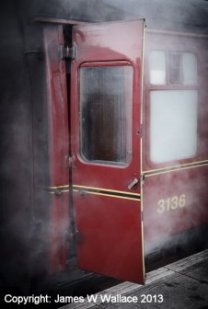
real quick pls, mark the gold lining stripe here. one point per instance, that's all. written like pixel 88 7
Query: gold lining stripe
pixel 106 190
pixel 109 195
pixel 175 168
pixel 95 191
pixel 56 192
pixel 59 187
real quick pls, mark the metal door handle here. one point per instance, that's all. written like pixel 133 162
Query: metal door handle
pixel 133 183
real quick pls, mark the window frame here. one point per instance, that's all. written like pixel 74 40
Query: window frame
pixel 98 64
pixel 165 43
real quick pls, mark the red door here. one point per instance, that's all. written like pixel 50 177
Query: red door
pixel 106 95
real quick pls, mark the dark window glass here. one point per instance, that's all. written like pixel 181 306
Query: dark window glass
pixel 105 113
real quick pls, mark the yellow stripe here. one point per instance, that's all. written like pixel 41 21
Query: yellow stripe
pixel 175 168
pixel 65 188
pixel 106 190
pixel 59 187
pixel 104 194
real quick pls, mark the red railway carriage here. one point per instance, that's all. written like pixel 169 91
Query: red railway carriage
pixel 128 142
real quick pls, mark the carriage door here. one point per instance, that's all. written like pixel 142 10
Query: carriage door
pixel 105 99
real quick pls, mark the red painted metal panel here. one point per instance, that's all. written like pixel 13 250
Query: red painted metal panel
pixel 58 147
pixel 175 193
pixel 174 202
pixel 109 236
pixel 108 219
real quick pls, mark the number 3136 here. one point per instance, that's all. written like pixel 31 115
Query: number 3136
pixel 171 203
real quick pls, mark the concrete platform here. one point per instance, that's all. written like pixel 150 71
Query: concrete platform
pixel 179 285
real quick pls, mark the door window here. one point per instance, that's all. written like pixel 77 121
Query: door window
pixel 105 113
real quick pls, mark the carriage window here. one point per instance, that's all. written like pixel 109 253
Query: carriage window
pixel 189 65
pixel 173 125
pixel 105 113
pixel 172 68
pixel 157 68
pixel 173 112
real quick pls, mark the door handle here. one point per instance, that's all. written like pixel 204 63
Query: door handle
pixel 133 183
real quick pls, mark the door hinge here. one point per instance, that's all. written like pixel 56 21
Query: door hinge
pixel 67 52
pixel 70 160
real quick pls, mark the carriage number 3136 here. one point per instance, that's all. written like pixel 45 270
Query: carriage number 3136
pixel 171 203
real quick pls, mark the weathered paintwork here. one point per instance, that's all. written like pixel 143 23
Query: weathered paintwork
pixel 58 148
pixel 108 215
pixel 109 227
pixel 175 193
